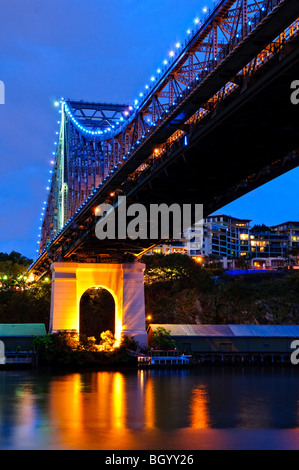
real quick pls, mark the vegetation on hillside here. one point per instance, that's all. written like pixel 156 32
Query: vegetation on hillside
pixel 177 290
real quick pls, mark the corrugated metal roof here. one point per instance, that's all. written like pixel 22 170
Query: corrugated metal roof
pixel 19 329
pixel 265 330
pixel 196 330
pixel 287 331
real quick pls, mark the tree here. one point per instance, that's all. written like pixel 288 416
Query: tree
pixel 108 340
pixel 162 340
pixel 261 228
pixel 15 258
pixel 177 270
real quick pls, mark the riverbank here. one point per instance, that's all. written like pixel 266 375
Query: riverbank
pixel 125 362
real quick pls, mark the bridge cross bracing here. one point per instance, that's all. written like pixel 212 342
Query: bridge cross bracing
pixel 106 149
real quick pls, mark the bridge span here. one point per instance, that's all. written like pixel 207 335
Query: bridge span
pixel 215 123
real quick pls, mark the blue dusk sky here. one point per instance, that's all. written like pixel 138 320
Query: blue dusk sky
pixel 93 50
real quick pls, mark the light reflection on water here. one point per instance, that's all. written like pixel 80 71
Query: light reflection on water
pixel 230 408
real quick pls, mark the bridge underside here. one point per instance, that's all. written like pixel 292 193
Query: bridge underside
pixel 252 138
pixel 249 138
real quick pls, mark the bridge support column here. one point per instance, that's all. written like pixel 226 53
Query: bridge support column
pixel 124 281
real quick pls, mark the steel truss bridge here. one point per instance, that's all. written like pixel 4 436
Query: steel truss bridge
pixel 215 123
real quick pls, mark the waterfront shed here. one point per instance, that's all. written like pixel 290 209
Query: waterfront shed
pixel 19 336
pixel 230 338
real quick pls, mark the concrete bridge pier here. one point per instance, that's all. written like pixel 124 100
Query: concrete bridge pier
pixel 124 281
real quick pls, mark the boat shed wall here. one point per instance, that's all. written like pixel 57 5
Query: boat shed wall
pixel 20 336
pixel 231 338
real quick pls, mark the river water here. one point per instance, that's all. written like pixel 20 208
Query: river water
pixel 199 409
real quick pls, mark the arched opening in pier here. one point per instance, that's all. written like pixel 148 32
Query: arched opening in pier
pixel 97 312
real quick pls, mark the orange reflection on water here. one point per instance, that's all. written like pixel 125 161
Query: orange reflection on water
pixel 147 387
pixel 199 415
pixel 104 409
pixel 88 409
pixel 65 406
pixel 118 408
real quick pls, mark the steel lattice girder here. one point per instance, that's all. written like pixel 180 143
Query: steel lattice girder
pixel 218 39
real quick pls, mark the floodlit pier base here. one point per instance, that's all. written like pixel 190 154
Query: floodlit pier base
pixel 125 282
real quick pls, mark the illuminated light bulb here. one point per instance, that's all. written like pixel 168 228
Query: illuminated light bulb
pixel 165 62
pixel 152 79
pixel 112 194
pixel 171 53
pixel 56 103
pixel 196 21
pixel 178 45
pixel 146 87
pixel 205 9
pixel 159 71
pixel 188 31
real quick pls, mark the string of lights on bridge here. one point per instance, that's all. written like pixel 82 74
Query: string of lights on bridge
pixel 122 121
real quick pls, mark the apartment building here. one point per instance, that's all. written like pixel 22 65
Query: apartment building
pixel 227 239
pixel 220 236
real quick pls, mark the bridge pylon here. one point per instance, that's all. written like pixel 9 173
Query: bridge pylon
pixel 124 281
